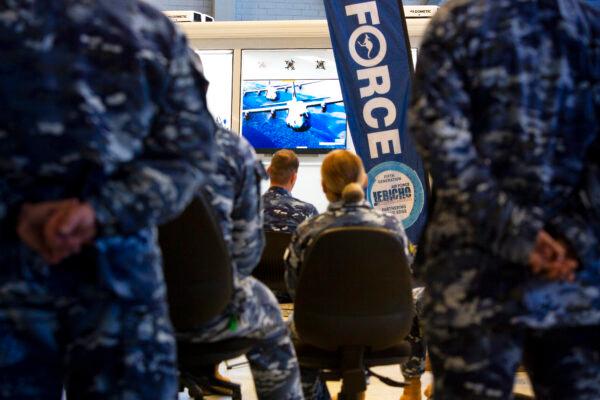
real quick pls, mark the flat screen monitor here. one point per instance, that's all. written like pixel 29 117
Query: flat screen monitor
pixel 291 99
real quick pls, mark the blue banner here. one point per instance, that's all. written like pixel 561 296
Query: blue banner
pixel 373 58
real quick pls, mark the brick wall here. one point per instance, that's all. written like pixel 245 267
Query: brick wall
pixel 203 6
pixel 247 10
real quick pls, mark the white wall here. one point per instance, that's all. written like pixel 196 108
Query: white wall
pixel 308 185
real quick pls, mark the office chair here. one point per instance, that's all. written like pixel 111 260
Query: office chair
pixel 353 305
pixel 270 270
pixel 199 277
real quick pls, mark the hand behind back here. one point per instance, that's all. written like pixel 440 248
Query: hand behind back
pixel 57 229
pixel 551 258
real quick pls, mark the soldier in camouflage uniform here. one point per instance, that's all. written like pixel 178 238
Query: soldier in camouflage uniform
pixel 347 208
pixel 253 312
pixel 103 135
pixel 282 212
pixel 506 114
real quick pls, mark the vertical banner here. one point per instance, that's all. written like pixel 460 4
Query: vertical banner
pixel 373 58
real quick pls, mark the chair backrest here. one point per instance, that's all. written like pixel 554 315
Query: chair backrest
pixel 197 266
pixel 270 270
pixel 354 289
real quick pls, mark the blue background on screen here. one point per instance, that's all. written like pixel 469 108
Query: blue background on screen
pixel 325 130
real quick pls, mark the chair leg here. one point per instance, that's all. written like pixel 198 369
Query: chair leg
pixel 228 388
pixel 194 390
pixel 354 378
pixel 209 382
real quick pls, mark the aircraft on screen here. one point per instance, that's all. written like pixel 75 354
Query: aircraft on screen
pixel 272 91
pixel 298 116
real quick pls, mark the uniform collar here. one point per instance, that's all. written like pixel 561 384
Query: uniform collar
pixel 279 190
pixel 338 205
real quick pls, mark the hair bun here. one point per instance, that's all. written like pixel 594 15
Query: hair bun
pixel 353 192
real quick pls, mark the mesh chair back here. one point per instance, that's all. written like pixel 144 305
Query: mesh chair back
pixel 354 289
pixel 197 266
pixel 270 270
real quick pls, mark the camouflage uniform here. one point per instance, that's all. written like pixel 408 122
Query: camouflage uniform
pixel 505 111
pixel 348 214
pixel 99 102
pixel 253 312
pixel 282 212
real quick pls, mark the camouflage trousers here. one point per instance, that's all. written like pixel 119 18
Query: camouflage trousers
pixel 255 314
pixel 480 363
pixel 314 387
pixel 60 327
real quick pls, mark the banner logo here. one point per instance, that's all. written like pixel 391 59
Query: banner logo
pixel 395 188
pixel 367 44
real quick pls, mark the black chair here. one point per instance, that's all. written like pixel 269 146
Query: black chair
pixel 353 305
pixel 198 273
pixel 270 269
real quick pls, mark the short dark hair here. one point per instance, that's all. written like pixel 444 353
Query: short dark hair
pixel 283 165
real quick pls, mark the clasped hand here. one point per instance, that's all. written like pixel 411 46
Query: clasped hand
pixel 57 229
pixel 552 259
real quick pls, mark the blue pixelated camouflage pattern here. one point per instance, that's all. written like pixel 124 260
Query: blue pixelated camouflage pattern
pixel 234 192
pixel 506 115
pixel 414 367
pixel 338 214
pixel 480 363
pixel 99 102
pixel 282 212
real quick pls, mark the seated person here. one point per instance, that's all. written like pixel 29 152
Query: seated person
pixel 282 212
pixel 343 180
pixel 234 190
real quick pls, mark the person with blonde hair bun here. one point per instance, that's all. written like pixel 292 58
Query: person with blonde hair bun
pixel 343 179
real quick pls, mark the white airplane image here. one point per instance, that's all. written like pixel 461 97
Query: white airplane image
pixel 298 116
pixel 272 91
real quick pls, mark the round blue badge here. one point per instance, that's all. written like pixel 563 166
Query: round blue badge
pixel 396 188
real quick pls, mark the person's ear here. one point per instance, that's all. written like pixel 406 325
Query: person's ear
pixel 294 178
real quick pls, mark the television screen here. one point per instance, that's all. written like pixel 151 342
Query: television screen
pixel 291 99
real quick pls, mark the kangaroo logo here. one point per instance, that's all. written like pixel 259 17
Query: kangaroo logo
pixel 366 44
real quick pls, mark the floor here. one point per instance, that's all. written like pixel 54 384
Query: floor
pixel 376 390
pixel 237 370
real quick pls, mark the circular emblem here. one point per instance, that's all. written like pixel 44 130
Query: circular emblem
pixel 395 188
pixel 367 46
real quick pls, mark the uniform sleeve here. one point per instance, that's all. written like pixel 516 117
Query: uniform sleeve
pixel 248 235
pixel 440 123
pixel 176 156
pixel 312 211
